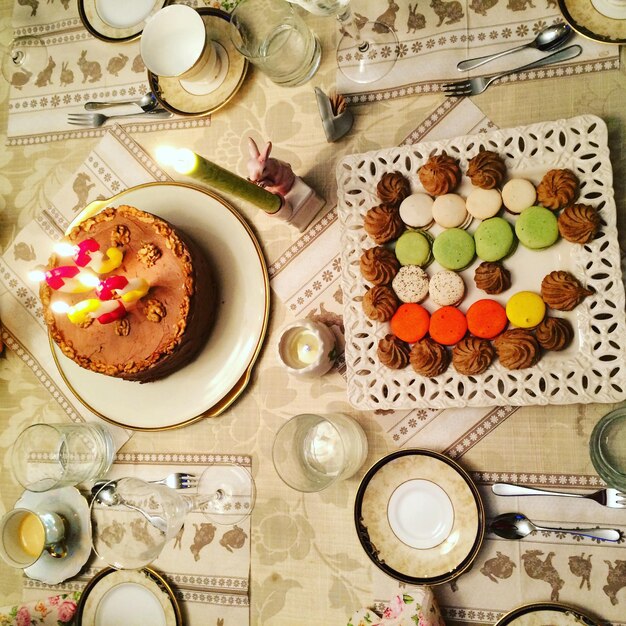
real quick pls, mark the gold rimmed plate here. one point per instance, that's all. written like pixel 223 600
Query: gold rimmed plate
pixel 215 379
pixel 419 517
pixel 539 613
pixel 123 596
pixel 585 19
pixel 175 98
pixel 117 21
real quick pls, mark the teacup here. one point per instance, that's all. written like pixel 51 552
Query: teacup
pixel 25 535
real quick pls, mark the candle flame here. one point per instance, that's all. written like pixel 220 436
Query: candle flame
pixel 37 274
pixel 64 249
pixel 88 279
pixel 181 159
pixel 60 307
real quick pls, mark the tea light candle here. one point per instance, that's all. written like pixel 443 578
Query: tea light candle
pixel 189 163
pixel 307 348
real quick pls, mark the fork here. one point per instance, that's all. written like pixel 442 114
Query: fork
pixel 474 86
pixel 178 480
pixel 94 120
pixel 608 497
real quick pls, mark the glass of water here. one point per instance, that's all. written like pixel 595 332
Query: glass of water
pixel 276 40
pixel 311 452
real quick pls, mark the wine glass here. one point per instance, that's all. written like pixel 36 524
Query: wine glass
pixel 132 519
pixel 367 50
pixel 24 58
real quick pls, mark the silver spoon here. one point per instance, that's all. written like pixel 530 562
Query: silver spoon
pixel 518 526
pixel 549 38
pixel 147 103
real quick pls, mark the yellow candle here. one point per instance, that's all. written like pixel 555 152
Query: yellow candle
pixel 189 163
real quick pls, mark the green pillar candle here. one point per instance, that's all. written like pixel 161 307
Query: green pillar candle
pixel 189 163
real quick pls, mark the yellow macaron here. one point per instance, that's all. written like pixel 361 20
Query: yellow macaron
pixel 525 309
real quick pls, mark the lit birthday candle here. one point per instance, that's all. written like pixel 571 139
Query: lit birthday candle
pixel 66 278
pixel 189 163
pixel 105 311
pixel 128 291
pixel 87 254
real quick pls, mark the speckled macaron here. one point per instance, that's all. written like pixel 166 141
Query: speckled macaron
pixel 537 227
pixel 416 210
pixel 483 203
pixel 446 288
pixel 411 283
pixel 454 249
pixel 494 239
pixel 413 247
pixel 518 194
pixel 449 211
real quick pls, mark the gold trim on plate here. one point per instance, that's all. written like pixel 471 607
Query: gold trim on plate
pixel 524 609
pixel 587 21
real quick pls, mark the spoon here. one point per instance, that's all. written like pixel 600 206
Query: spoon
pixel 549 38
pixel 517 526
pixel 146 102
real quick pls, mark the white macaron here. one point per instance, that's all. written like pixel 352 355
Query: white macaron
pixel 416 210
pixel 483 203
pixel 518 194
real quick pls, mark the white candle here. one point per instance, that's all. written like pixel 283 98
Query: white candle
pixel 307 348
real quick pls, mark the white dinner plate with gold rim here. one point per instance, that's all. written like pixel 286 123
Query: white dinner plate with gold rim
pixel 542 613
pixel 117 21
pixel 211 383
pixel 128 596
pixel 585 19
pixel 399 488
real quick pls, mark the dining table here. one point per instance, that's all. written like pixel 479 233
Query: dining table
pixel 298 560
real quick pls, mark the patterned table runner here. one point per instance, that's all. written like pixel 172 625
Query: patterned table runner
pixel 80 68
pixel 434 36
pixel 207 564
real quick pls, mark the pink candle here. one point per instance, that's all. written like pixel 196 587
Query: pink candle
pixel 87 254
pixel 66 278
pixel 129 291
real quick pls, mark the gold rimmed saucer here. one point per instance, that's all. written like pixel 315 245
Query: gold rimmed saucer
pixel 106 29
pixel 585 19
pixel 553 613
pixel 395 496
pixel 175 98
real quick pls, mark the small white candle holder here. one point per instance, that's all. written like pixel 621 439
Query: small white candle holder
pixel 307 348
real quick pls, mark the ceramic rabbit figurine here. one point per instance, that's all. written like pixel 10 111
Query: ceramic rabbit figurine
pixel 276 176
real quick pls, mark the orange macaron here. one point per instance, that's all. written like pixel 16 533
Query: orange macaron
pixel 410 322
pixel 447 325
pixel 486 318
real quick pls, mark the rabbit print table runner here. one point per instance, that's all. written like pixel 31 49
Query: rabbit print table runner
pixel 435 35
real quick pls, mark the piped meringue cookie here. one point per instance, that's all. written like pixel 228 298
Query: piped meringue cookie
pixel 378 265
pixel 492 277
pixel 382 223
pixel 428 358
pixel 472 356
pixel 392 352
pixel 440 174
pixel 393 188
pixel 517 349
pixel 579 223
pixel 380 303
pixel 486 170
pixel 554 333
pixel 562 291
pixel 557 189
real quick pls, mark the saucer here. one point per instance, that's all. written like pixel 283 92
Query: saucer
pixel 553 613
pixel 171 92
pixel 117 20
pixel 419 517
pixel 585 19
pixel 69 503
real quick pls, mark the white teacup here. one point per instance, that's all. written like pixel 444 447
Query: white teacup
pixel 174 43
pixel 25 535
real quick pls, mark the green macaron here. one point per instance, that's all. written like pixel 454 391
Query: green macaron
pixel 413 247
pixel 537 227
pixel 454 249
pixel 494 239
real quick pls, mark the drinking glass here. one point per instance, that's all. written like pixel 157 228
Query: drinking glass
pixel 367 50
pixel 607 448
pixel 276 40
pixel 311 452
pixel 132 519
pixel 48 456
pixel 23 59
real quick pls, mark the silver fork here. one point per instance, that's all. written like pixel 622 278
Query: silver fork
pixel 178 480
pixel 474 86
pixel 94 120
pixel 608 497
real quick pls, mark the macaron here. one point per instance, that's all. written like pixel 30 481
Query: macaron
pixel 447 326
pixel 518 194
pixel 537 227
pixel 525 309
pixel 410 322
pixel 454 249
pixel 416 210
pixel 494 239
pixel 483 203
pixel 446 288
pixel 413 247
pixel 486 318
pixel 410 283
pixel 449 211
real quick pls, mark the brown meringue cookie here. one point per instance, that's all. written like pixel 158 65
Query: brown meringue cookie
pixel 440 174
pixel 393 352
pixel 554 333
pixel 579 223
pixel 379 265
pixel 486 170
pixel 562 291
pixel 492 277
pixel 428 358
pixel 382 223
pixel 393 187
pixel 517 348
pixel 380 303
pixel 472 356
pixel 557 189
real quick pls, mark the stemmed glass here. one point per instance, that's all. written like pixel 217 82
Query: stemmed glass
pixel 367 50
pixel 132 519
pixel 24 57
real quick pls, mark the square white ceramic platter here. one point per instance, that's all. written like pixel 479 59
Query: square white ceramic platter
pixel 591 369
